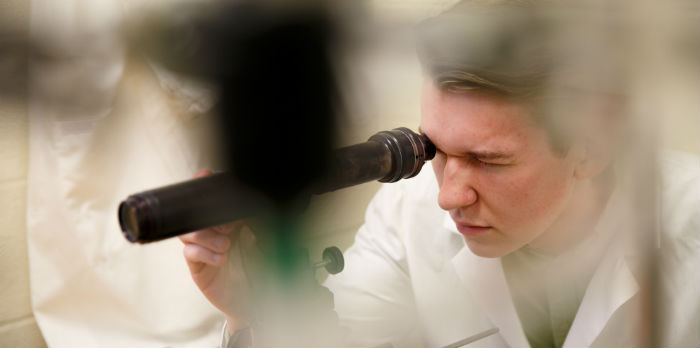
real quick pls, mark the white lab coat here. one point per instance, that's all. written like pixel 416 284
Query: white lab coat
pixel 100 130
pixel 411 280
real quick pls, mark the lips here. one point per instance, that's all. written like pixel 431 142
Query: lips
pixel 470 229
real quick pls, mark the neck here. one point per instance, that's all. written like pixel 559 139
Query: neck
pixel 579 219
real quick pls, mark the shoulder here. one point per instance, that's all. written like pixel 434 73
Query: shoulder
pixel 421 189
pixel 406 202
pixel 398 206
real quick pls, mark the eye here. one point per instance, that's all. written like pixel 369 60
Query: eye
pixel 483 163
pixel 486 164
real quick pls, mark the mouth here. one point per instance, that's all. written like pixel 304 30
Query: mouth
pixel 472 230
pixel 469 229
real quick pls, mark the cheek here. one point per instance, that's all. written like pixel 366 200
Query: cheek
pixel 529 196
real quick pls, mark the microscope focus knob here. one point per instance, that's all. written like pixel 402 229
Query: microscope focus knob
pixel 333 260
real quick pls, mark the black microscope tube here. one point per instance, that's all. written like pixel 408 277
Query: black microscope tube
pixel 356 164
pixel 185 207
pixel 387 156
pixel 172 210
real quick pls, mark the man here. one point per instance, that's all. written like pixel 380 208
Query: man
pixel 533 227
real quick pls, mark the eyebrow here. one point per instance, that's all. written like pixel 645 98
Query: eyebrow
pixel 481 155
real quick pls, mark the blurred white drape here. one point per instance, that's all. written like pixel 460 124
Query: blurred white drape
pixel 102 128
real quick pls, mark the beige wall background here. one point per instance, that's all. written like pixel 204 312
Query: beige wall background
pixel 384 87
pixel 17 325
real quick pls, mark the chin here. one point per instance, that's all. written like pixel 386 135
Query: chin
pixel 488 250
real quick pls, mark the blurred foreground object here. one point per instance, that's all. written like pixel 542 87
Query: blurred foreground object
pixel 270 65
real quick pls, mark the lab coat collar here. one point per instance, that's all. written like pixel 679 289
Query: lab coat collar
pixel 613 283
pixel 486 281
pixel 611 286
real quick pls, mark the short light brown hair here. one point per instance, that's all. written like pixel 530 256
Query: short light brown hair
pixel 493 46
pixel 499 47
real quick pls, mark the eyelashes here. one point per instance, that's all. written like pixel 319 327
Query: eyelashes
pixel 470 160
pixel 487 164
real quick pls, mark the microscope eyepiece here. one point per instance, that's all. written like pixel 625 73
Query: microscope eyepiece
pixel 409 151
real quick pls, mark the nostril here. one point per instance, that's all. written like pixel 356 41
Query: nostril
pixel 470 196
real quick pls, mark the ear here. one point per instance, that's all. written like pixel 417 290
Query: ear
pixel 593 157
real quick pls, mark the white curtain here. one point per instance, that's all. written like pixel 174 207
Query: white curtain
pixel 102 128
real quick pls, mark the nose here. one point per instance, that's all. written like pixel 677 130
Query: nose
pixel 457 189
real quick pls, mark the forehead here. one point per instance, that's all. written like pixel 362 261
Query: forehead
pixel 469 121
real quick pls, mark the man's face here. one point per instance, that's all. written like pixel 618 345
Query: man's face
pixel 499 178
